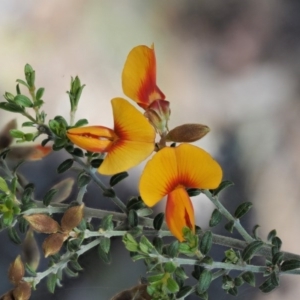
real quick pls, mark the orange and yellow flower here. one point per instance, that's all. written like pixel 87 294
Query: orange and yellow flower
pixel 139 84
pixel 129 143
pixel 170 172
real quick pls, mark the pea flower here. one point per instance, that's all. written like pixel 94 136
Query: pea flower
pixel 129 143
pixel 139 84
pixel 170 172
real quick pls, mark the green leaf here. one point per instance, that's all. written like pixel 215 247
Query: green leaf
pixel 277 258
pixel 96 163
pixel 70 273
pixel 30 271
pixel 3 185
pixel 271 234
pixel 206 242
pixel 229 226
pixel 13 235
pixel 49 196
pixel 39 93
pixel 232 291
pixel 204 281
pixel 251 249
pixel 180 273
pixel 105 244
pixel 65 165
pixel 83 179
pixel 75 265
pixel 193 192
pixel 28 124
pixel 158 221
pixel 16 133
pixel 172 249
pixel 184 292
pixel 81 122
pixel 254 231
pixel 78 152
pixel 242 209
pixel 172 285
pixel 117 178
pixel 107 223
pixel 12 107
pixel 290 264
pixel 133 219
pixel 170 267
pixel 51 282
pixel 110 193
pixel 216 218
pixel 223 185
pixel 105 256
pixel 144 212
pixel 135 203
pixel 22 82
pixel 270 284
pixel 238 281
pixel 158 244
pixel 23 100
pixel 276 242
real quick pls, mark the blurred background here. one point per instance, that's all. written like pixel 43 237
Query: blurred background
pixel 232 65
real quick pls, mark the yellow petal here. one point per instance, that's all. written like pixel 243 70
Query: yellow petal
pixel 125 155
pixel 196 167
pixel 92 138
pixel 135 142
pixel 159 177
pixel 139 76
pixel 179 212
pixel 185 165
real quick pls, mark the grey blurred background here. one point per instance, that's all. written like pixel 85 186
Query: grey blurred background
pixel 232 65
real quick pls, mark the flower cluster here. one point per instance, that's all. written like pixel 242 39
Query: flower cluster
pixel 172 169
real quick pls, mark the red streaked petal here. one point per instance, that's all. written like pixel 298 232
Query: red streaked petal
pixel 124 155
pixel 135 142
pixel 139 76
pixel 185 165
pixel 196 168
pixel 179 212
pixel 92 138
pixel 159 177
pixel 131 124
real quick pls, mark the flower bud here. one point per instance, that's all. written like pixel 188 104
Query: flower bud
pixel 72 217
pixel 158 113
pixel 42 223
pixel 187 133
pixel 31 250
pixel 53 243
pixel 16 271
pixel 22 291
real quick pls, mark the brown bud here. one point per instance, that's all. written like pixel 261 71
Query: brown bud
pixel 138 292
pixel 31 250
pixel 16 271
pixel 22 291
pixel 187 133
pixel 42 223
pixel 7 296
pixel 72 217
pixel 53 243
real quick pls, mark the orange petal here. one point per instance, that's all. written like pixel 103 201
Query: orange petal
pixel 159 177
pixel 139 76
pixel 196 168
pixel 92 138
pixel 185 165
pixel 135 140
pixel 179 212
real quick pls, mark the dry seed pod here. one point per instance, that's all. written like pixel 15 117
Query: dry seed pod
pixel 42 223
pixel 187 133
pixel 71 218
pixel 16 271
pixel 53 243
pixel 22 291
